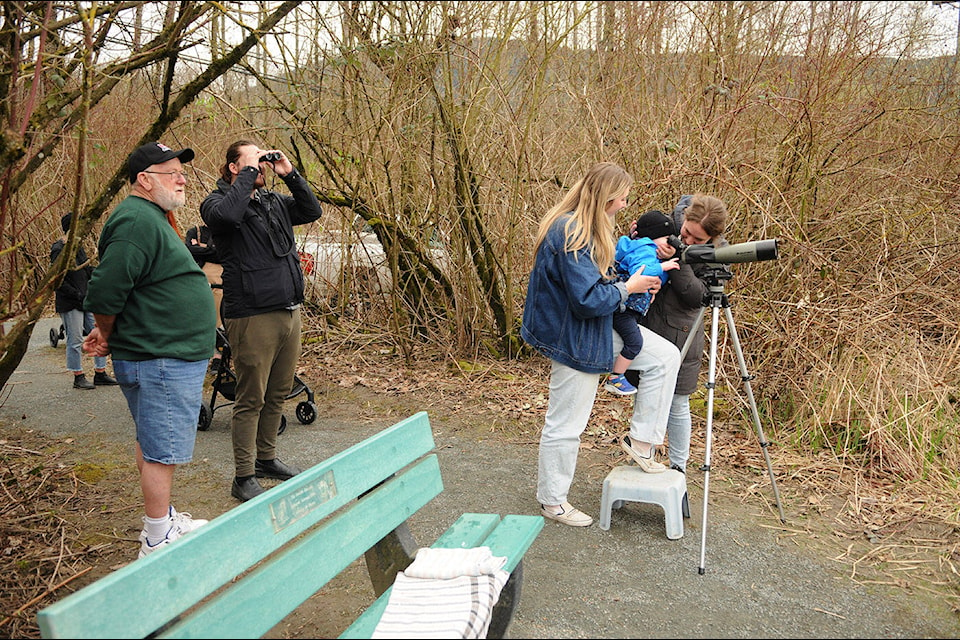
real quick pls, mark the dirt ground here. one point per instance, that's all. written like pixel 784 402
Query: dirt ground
pixel 840 566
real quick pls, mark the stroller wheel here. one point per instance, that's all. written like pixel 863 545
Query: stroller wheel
pixel 306 412
pixel 206 417
pixel 54 338
pixel 283 425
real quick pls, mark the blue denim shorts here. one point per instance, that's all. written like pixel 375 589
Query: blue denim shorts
pixel 164 396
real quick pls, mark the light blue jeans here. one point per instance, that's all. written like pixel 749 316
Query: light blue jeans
pixel 164 397
pixel 572 394
pixel 76 323
pixel 678 431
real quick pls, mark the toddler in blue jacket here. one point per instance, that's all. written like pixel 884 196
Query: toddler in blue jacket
pixel 634 252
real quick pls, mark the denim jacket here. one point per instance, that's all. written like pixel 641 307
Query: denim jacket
pixel 568 312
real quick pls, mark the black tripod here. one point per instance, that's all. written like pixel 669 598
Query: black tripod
pixel 717 299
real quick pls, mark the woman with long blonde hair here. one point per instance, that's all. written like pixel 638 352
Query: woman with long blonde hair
pixel 568 317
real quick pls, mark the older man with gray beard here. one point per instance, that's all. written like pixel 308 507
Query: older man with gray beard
pixel 154 313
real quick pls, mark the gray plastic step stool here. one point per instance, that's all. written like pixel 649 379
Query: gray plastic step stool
pixel 632 484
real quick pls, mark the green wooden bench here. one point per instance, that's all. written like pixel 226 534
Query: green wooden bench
pixel 246 570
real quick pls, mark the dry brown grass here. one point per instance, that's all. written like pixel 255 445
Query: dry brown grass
pixel 48 502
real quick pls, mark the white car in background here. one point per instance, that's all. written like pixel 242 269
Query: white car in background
pixel 324 259
pixel 363 260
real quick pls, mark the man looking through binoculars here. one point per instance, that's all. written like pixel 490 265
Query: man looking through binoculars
pixel 262 290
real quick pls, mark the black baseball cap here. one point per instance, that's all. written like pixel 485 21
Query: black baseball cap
pixel 154 153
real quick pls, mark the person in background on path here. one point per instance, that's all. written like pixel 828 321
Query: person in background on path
pixel 262 291
pixel 76 321
pixel 643 251
pixel 200 243
pixel 154 314
pixel 572 294
pixel 701 219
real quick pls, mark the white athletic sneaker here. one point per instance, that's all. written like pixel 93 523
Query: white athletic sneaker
pixel 146 548
pixel 184 522
pixel 180 524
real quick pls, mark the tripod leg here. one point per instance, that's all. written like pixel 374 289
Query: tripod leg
pixel 711 384
pixel 746 377
pixel 693 331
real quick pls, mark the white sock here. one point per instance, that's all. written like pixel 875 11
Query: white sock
pixel 156 528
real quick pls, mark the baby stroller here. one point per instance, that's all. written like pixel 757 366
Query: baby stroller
pixel 224 384
pixel 57 336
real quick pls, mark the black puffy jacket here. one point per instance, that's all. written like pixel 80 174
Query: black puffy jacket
pixel 73 289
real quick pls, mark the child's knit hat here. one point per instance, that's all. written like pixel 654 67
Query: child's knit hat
pixel 654 224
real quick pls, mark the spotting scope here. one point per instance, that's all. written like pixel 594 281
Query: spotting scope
pixel 742 252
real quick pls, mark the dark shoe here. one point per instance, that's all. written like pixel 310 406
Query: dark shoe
pixel 676 467
pixel 101 379
pixel 245 489
pixel 275 469
pixel 81 382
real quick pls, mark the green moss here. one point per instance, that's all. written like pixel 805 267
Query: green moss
pixel 89 473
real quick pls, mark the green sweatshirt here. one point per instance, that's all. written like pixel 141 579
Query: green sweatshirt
pixel 148 279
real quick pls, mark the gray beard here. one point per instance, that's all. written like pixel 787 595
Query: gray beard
pixel 169 201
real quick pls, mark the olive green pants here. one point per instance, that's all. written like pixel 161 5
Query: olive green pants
pixel 265 349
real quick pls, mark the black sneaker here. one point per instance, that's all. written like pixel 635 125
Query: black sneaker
pixel 101 379
pixel 81 382
pixel 246 488
pixel 275 469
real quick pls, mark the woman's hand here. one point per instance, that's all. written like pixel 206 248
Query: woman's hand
pixel 664 252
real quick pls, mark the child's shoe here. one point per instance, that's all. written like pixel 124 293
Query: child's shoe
pixel 618 384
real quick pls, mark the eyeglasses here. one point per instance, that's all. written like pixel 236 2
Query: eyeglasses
pixel 169 173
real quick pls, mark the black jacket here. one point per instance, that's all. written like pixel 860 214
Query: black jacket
pixel 73 289
pixel 201 254
pixel 676 307
pixel 255 242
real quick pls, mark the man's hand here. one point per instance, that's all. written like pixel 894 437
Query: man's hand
pixel 282 166
pixel 95 344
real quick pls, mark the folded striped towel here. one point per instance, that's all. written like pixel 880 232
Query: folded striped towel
pixel 444 593
pixel 452 563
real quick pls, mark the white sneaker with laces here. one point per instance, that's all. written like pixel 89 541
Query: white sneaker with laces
pixel 184 522
pixel 180 524
pixel 146 548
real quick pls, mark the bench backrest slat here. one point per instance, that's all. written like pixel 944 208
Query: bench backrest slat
pixel 139 598
pixel 304 566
